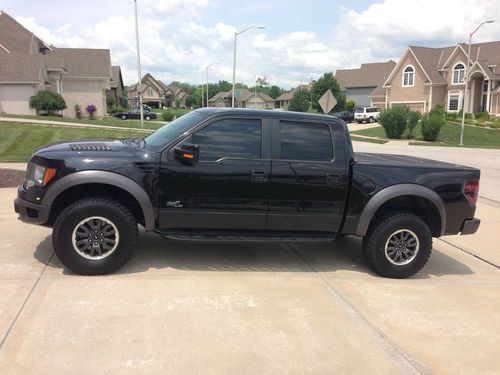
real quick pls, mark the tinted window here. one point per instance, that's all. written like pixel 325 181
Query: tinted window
pixel 168 133
pixel 359 110
pixel 301 141
pixel 237 138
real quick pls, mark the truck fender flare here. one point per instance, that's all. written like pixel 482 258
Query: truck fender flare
pixel 107 178
pixel 395 191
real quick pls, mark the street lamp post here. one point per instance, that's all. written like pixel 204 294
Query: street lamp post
pixel 139 74
pixel 234 56
pixel 467 76
pixel 202 84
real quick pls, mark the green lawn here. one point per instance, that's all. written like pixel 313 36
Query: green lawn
pixel 369 140
pixel 110 121
pixel 449 136
pixel 17 140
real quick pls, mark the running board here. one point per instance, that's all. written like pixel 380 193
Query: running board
pixel 245 238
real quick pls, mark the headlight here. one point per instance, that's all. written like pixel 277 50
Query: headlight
pixel 39 175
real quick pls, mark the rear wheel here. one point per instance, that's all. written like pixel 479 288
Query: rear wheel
pixel 147 118
pixel 397 244
pixel 123 117
pixel 371 120
pixel 94 236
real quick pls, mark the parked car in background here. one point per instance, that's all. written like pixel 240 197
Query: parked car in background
pixel 136 114
pixel 368 114
pixel 347 116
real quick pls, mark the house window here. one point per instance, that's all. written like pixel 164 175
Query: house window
pixel 453 103
pixel 408 76
pixel 150 92
pixel 458 74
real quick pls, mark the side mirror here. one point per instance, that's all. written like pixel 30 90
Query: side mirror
pixel 187 153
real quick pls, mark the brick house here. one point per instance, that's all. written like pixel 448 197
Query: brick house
pixel 157 94
pixel 244 99
pixel 29 65
pixel 425 77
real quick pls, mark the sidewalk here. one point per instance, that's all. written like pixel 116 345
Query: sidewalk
pixel 67 123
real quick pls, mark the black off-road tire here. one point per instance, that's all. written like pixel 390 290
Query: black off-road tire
pixel 71 216
pixel 379 232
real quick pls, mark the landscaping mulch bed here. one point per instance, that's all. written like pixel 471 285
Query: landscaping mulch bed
pixel 11 178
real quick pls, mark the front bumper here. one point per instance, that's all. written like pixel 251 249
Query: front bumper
pixel 31 212
pixel 470 226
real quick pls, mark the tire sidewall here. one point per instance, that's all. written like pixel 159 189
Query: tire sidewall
pixel 123 117
pixel 424 236
pixel 73 215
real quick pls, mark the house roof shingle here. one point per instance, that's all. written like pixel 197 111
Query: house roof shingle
pixel 289 94
pixel 368 75
pixel 15 37
pixel 84 62
pixel 116 77
pixel 20 67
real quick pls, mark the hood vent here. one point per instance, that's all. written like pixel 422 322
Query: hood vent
pixel 89 147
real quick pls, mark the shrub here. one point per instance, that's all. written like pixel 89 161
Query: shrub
pixel 349 105
pixel 394 121
pixel 431 125
pixel 47 101
pixel 451 116
pixel 91 109
pixel 300 101
pixel 438 111
pixel 170 115
pixel 78 111
pixel 413 118
pixel 480 115
pixel 110 101
pixel 116 109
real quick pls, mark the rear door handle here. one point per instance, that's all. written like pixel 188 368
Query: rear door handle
pixel 258 176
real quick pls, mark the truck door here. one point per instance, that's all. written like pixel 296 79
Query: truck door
pixel 309 177
pixel 227 189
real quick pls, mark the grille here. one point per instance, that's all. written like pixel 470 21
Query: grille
pixel 89 147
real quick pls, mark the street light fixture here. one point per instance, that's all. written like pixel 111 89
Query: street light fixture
pixel 234 56
pixel 466 89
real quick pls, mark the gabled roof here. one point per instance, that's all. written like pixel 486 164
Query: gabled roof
pixel 84 62
pixel 14 37
pixel 116 77
pixel 368 75
pixel 289 94
pixel 488 52
pixel 21 67
pixel 54 62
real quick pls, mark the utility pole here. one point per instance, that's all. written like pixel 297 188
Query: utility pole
pixel 139 74
pixel 202 94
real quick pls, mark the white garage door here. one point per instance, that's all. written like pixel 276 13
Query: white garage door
pixel 14 99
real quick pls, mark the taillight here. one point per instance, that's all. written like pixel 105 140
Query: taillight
pixel 471 190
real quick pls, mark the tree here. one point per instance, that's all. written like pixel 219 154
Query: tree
pixel 322 85
pixel 261 82
pixel 300 101
pixel 394 121
pixel 47 101
pixel 349 105
pixel 275 91
pixel 110 101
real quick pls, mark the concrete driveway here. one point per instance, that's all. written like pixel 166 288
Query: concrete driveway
pixel 224 308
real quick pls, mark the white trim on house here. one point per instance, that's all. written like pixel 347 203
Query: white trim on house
pixel 4 48
pixel 460 95
pixel 411 102
pixel 410 74
pixel 462 81
pixel 452 55
pixel 393 73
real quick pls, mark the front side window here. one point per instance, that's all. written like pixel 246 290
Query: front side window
pixel 408 76
pixel 231 138
pixel 301 141
pixel 458 73
pixel 453 103
pixel 359 110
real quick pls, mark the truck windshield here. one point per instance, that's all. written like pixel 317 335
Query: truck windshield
pixel 166 134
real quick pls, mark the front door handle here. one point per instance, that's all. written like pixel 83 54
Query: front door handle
pixel 258 176
pixel 334 179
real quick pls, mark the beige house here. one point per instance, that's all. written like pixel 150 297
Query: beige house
pixel 425 77
pixel 28 65
pixel 284 99
pixel 244 99
pixel 157 94
pixel 116 85
pixel 364 85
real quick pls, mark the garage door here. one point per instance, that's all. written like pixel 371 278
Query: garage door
pixel 14 99
pixel 413 106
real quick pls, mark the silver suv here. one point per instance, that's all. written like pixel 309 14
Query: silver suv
pixel 369 114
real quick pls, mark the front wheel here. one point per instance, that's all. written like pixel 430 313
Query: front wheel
pixel 371 120
pixel 147 118
pixel 397 244
pixel 94 236
pixel 123 117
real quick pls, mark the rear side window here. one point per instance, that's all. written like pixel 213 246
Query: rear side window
pixel 359 110
pixel 231 138
pixel 302 141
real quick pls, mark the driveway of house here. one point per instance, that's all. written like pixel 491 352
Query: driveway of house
pixel 241 308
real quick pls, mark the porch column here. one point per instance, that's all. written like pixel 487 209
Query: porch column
pixel 488 97
pixel 430 97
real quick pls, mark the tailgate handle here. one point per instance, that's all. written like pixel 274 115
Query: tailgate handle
pixel 258 176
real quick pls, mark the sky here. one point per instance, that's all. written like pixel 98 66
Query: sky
pixel 301 40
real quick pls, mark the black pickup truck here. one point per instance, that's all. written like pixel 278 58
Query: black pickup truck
pixel 244 175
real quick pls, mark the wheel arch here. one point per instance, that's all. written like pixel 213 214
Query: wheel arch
pixel 104 178
pixel 410 194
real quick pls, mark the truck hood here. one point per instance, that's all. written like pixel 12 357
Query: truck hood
pixel 88 146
